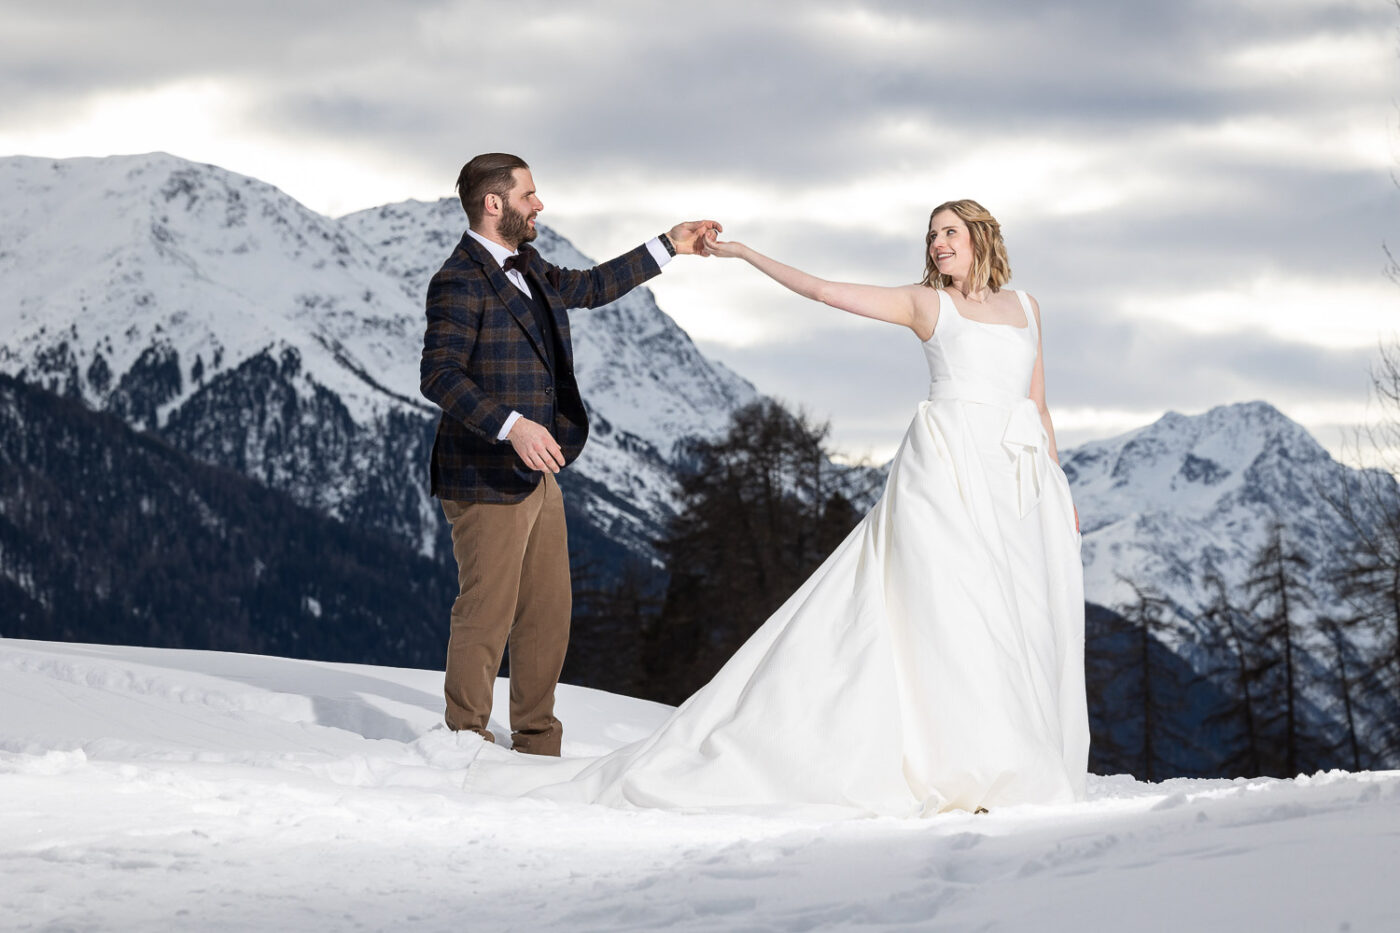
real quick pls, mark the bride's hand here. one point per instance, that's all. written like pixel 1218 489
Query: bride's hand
pixel 714 246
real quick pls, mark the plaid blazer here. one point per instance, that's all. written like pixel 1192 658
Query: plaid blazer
pixel 484 356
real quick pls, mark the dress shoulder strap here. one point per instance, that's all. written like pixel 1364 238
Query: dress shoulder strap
pixel 1026 307
pixel 947 311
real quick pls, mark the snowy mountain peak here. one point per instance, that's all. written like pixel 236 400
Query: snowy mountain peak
pixel 196 265
pixel 1190 462
pixel 412 238
pixel 1230 430
pixel 1188 494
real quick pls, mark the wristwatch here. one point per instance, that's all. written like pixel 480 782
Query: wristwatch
pixel 666 242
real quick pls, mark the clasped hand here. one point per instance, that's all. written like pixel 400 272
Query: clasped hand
pixel 693 237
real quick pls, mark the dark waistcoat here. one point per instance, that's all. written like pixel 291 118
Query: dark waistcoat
pixel 545 321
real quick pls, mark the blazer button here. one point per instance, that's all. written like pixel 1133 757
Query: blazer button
pixel 549 390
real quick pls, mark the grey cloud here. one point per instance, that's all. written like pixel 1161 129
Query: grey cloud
pixel 735 89
pixel 1314 223
pixel 1094 359
pixel 101 44
pixel 754 93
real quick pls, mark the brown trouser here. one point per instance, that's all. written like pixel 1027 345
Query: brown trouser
pixel 513 575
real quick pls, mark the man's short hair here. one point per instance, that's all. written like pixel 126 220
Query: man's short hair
pixel 488 173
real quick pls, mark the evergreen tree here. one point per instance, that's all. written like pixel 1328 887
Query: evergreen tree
pixel 1369 581
pixel 1139 685
pixel 611 616
pixel 760 511
pixel 1343 672
pixel 1230 626
pixel 1278 604
pixel 1369 506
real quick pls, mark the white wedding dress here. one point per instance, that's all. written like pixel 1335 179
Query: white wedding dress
pixel 935 661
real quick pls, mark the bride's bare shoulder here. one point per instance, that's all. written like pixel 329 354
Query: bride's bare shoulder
pixel 1035 305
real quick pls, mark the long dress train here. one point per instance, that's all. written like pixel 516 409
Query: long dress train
pixel 934 661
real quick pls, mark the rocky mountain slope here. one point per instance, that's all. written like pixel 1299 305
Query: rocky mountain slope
pixel 111 535
pixel 1163 504
pixel 256 334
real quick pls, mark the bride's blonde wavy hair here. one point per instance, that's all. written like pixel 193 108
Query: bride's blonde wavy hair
pixel 990 267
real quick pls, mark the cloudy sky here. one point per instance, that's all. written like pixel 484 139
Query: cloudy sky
pixel 1198 193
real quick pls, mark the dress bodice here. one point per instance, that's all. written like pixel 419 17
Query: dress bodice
pixel 991 364
pixel 980 361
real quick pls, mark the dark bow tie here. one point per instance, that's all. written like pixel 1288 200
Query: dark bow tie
pixel 520 261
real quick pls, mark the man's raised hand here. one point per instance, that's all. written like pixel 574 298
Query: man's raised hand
pixel 689 237
pixel 536 446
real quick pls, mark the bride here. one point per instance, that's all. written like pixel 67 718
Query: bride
pixel 935 661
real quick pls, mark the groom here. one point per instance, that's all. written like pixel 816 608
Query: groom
pixel 498 361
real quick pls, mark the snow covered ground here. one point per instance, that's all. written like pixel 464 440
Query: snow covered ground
pixel 145 789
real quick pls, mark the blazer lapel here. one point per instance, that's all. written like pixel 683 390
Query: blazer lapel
pixel 519 307
pixel 513 298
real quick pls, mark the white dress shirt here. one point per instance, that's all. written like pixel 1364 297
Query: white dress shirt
pixel 501 254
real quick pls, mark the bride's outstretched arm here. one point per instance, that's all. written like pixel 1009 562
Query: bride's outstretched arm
pixel 898 305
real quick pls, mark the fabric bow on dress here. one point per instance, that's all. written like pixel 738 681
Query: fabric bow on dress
pixel 1024 435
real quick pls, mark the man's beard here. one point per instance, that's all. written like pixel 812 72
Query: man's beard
pixel 514 227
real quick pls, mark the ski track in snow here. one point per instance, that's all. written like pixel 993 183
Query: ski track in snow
pixel 155 789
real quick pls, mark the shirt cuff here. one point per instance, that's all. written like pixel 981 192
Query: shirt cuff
pixel 658 252
pixel 510 423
